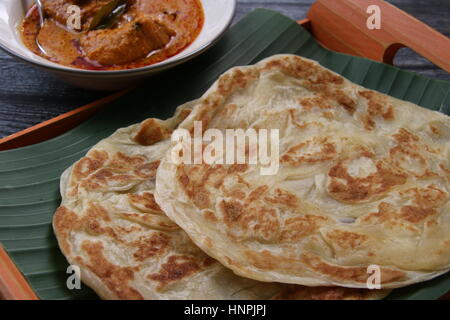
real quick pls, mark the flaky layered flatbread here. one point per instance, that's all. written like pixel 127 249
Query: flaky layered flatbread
pixel 363 181
pixel 110 226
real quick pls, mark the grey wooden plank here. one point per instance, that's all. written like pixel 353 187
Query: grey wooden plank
pixel 29 96
pixel 296 9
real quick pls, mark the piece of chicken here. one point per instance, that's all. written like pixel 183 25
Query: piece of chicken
pixel 57 9
pixel 129 42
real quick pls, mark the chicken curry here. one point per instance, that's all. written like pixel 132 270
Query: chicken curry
pixel 112 34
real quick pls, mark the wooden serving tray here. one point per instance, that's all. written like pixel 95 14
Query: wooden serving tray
pixel 337 25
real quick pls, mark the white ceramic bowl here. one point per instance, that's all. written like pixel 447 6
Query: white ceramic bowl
pixel 218 17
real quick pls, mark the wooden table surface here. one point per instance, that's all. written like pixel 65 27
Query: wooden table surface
pixel 29 96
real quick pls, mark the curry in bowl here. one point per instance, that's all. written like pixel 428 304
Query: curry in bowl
pixel 112 34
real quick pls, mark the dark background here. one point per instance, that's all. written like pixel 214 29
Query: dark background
pixel 29 96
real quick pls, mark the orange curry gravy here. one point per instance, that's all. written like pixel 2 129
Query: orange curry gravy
pixel 147 32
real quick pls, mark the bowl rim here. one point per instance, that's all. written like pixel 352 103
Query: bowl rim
pixel 154 67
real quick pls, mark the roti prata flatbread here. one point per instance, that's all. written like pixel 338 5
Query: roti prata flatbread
pixel 363 181
pixel 110 226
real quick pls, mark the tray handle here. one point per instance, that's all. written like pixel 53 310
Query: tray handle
pixel 342 26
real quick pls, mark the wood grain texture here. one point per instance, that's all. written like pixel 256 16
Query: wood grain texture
pixel 29 96
pixel 13 285
pixel 342 26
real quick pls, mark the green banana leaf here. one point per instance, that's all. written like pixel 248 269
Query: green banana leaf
pixel 29 176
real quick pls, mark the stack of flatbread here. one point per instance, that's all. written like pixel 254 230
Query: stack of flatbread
pixel 362 184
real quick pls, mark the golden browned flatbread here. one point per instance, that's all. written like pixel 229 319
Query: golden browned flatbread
pixel 363 180
pixel 111 227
